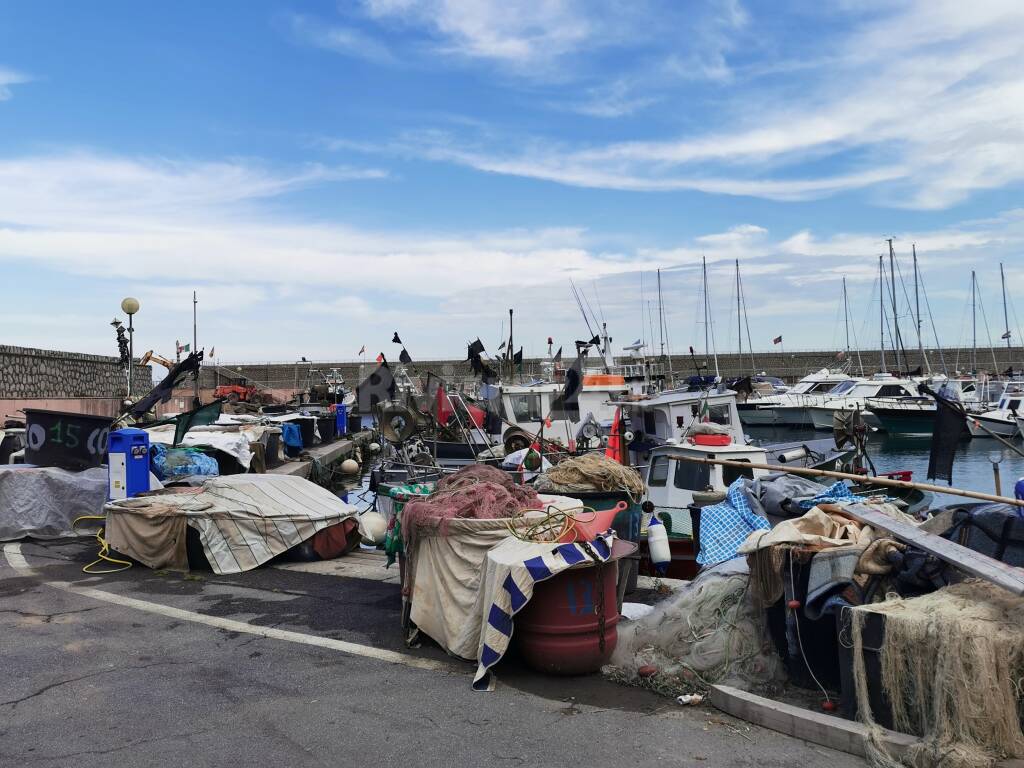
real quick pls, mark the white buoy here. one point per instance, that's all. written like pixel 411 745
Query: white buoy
pixel 373 527
pixel 350 467
pixel 657 545
pixel 374 447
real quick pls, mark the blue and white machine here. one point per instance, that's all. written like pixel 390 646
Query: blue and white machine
pixel 128 463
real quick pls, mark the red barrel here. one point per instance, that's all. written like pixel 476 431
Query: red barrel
pixel 558 630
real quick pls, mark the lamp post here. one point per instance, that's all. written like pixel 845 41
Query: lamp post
pixel 130 306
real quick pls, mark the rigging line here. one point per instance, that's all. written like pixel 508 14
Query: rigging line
pixel 579 304
pixel 856 344
pixel 917 321
pixel 961 340
pixel 746 318
pixel 1013 311
pixel 597 297
pixel 592 315
pixel 988 333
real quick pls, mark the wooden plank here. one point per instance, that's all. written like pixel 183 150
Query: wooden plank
pixel 816 727
pixel 974 563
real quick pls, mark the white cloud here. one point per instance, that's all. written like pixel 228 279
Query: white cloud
pixel 9 77
pixel 346 40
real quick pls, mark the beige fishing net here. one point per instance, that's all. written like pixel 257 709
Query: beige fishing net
pixel 953 668
pixel 590 472
pixel 711 631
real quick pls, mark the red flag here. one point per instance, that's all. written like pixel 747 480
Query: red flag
pixel 614 449
pixel 443 408
pixel 380 358
pixel 777 340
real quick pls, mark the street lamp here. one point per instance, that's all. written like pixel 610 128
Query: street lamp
pixel 130 306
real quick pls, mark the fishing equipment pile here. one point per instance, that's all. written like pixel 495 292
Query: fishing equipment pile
pixel 711 631
pixel 590 472
pixel 951 666
pixel 476 492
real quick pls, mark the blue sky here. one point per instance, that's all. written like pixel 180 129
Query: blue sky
pixel 324 173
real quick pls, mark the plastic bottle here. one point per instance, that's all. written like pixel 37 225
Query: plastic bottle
pixel 657 545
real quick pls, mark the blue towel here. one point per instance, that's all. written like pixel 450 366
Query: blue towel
pixel 724 526
pixel 291 435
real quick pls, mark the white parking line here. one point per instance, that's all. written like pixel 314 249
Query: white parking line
pixel 17 560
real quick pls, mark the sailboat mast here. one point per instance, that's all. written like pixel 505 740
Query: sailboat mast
pixel 661 317
pixel 897 343
pixel 704 279
pixel 881 309
pixel 1006 317
pixel 917 311
pixel 974 323
pixel 739 317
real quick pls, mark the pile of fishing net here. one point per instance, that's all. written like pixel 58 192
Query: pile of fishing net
pixel 952 666
pixel 709 632
pixel 477 492
pixel 590 472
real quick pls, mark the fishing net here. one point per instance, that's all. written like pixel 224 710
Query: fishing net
pixel 476 492
pixel 590 472
pixel 709 632
pixel 952 666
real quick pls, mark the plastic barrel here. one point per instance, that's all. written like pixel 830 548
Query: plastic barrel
pixel 306 426
pixel 73 441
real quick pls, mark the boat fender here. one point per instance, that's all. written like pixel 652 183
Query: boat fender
pixel 657 545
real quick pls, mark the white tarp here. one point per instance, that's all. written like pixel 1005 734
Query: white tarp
pixel 42 502
pixel 232 442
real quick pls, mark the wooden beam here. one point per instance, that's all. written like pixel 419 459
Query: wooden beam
pixel 816 727
pixel 975 563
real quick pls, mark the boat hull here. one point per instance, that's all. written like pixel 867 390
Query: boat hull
pixel 898 421
pixel 757 415
pixel 1000 427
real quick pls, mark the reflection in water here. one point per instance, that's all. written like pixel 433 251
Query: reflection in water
pixel 971 471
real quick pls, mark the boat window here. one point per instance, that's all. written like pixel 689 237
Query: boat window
pixel 823 386
pixel 720 414
pixel 649 426
pixel 658 473
pixel 842 388
pixel 892 390
pixel 730 474
pixel 525 407
pixel 692 477
pixel 1014 405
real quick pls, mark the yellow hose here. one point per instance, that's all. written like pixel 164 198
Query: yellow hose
pixel 103 556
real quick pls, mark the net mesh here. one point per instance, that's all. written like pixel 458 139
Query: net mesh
pixel 711 631
pixel 953 670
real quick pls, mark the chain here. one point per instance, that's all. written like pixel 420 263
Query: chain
pixel 599 598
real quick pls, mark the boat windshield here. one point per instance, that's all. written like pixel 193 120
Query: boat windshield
pixel 842 387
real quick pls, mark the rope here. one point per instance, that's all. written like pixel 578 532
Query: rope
pixel 103 556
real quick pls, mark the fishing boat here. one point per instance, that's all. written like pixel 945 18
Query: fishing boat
pixel 852 395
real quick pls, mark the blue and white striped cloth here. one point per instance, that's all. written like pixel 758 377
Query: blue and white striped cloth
pixel 511 571
pixel 724 526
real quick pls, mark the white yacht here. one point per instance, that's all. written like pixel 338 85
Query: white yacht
pixel 790 409
pixel 852 395
pixel 1004 420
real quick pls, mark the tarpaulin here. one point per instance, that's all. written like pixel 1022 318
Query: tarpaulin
pixel 42 502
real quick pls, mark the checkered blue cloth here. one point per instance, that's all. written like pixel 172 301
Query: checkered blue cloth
pixel 724 526
pixel 518 566
pixel 836 493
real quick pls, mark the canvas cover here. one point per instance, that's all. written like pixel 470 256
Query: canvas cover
pixel 42 502
pixel 243 521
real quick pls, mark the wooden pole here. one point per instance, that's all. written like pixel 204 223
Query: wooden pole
pixel 882 481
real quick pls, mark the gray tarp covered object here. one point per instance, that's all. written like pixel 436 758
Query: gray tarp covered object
pixel 42 502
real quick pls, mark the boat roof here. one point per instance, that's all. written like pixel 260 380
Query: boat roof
pixel 671 397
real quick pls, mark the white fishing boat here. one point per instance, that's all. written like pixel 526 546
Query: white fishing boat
pixel 790 409
pixel 852 395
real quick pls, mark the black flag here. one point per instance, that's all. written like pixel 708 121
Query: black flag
pixel 949 429
pixel 558 355
pixel 404 357
pixel 517 358
pixel 566 405
pixel 161 393
pixel 474 350
pixel 395 339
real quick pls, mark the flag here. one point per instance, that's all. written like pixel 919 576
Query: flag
pixel 501 346
pixel 776 340
pixel 550 341
pixel 404 357
pixel 1006 335
pixel 691 351
pixel 558 355
pixel 201 416
pixel 566 404
pixel 595 341
pixel 475 349
pixel 362 351
pixel 395 339
pixel 443 408
pixel 161 393
pixel 949 428
pixel 517 360
pixel 380 358
pixel 375 388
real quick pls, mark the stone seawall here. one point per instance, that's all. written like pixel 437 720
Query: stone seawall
pixel 36 374
pixel 789 365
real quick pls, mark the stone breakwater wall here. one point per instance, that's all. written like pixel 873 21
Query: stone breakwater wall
pixel 789 365
pixel 45 374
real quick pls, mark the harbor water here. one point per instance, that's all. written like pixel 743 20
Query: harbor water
pixel 972 469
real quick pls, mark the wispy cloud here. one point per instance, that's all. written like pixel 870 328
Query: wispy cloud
pixel 9 77
pixel 339 38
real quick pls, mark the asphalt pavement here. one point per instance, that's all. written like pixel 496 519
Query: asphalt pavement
pixel 302 667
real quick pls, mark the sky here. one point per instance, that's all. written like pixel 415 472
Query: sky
pixel 324 174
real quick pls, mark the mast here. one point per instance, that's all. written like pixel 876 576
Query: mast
pixel 661 317
pixel 1006 317
pixel 195 347
pixel 974 323
pixel 739 327
pixel 897 342
pixel 707 317
pixel 917 311
pixel 846 317
pixel 881 309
